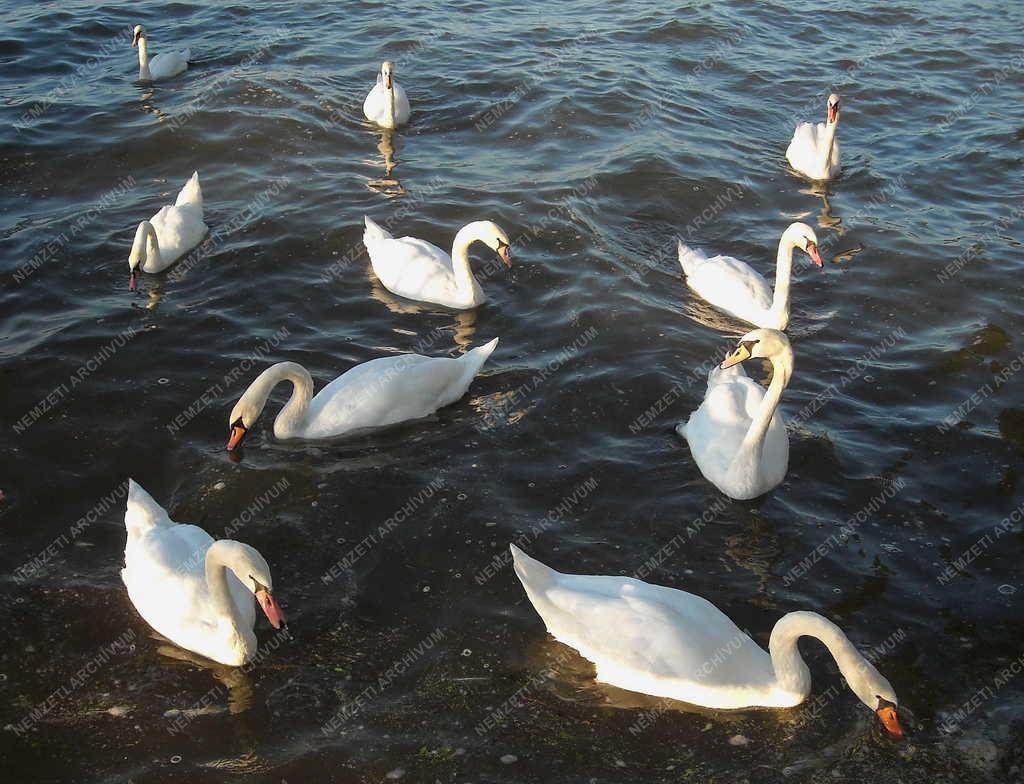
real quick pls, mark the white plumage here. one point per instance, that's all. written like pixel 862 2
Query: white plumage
pixel 170 233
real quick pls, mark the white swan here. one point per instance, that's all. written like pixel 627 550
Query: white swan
pixel 168 235
pixel 380 392
pixel 736 288
pixel 736 436
pixel 814 151
pixel 418 270
pixel 195 591
pixel 387 105
pixel 670 643
pixel 161 66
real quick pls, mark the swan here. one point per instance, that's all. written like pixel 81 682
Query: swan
pixel 162 66
pixel 736 288
pixel 386 104
pixel 193 590
pixel 170 234
pixel 670 643
pixel 814 151
pixel 380 392
pixel 418 270
pixel 736 436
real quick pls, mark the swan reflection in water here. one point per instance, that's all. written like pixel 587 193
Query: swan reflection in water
pixel 388 184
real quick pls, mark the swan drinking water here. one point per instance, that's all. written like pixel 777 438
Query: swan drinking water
pixel 170 234
pixel 670 643
pixel 387 105
pixel 161 66
pixel 418 270
pixel 380 392
pixel 197 592
pixel 814 151
pixel 736 436
pixel 739 290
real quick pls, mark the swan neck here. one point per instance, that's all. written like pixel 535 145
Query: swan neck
pixel 389 105
pixel 783 277
pixel 217 584
pixel 753 441
pixel 830 140
pixel 291 420
pixel 791 672
pixel 464 278
pixel 145 253
pixel 143 60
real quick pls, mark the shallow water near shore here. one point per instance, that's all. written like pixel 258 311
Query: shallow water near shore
pixel 596 135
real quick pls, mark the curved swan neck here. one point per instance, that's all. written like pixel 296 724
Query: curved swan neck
pixel 791 671
pixel 292 418
pixel 216 567
pixel 782 370
pixel 143 60
pixel 146 246
pixel 783 277
pixel 464 278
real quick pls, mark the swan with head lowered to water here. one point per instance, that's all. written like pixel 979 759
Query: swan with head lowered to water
pixel 377 393
pixel 170 234
pixel 670 643
pixel 416 269
pixel 814 151
pixel 737 437
pixel 161 66
pixel 741 291
pixel 196 592
pixel 387 105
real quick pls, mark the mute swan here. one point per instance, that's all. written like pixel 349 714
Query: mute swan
pixel 380 392
pixel 736 288
pixel 814 151
pixel 162 66
pixel 170 234
pixel 195 591
pixel 737 438
pixel 670 643
pixel 417 270
pixel 387 104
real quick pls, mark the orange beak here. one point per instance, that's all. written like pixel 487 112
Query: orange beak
pixel 271 608
pixel 815 254
pixel 739 355
pixel 506 255
pixel 135 40
pixel 887 715
pixel 237 434
pixel 833 112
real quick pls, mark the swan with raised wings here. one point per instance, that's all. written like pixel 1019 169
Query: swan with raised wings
pixel 374 394
pixel 170 234
pixel 160 66
pixel 737 437
pixel 196 592
pixel 416 269
pixel 670 643
pixel 387 105
pixel 814 151
pixel 741 291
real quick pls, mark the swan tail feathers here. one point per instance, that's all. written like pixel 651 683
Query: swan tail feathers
pixel 142 512
pixel 191 193
pixel 535 576
pixel 374 231
pixel 689 259
pixel 681 430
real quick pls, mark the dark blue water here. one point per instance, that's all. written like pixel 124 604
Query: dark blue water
pixel 595 134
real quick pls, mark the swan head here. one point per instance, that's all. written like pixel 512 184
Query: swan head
pixel 494 237
pixel 139 33
pixel 770 344
pixel 251 568
pixel 874 690
pixel 387 74
pixel 832 108
pixel 243 416
pixel 802 236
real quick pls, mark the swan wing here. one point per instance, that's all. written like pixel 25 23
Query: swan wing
pixel 414 269
pixel 394 389
pixel 645 637
pixel 733 286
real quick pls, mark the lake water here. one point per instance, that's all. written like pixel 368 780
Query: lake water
pixel 595 134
